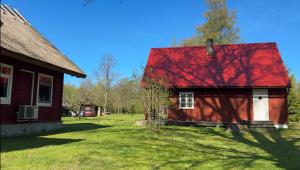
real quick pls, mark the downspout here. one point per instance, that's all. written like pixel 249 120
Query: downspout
pixel 32 83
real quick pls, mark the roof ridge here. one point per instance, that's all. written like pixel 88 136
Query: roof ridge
pixel 14 13
pixel 12 19
pixel 197 46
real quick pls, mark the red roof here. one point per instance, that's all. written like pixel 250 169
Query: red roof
pixel 238 65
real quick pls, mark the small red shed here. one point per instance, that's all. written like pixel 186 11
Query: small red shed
pixel 223 83
pixel 31 79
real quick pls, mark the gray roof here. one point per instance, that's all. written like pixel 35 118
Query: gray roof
pixel 18 36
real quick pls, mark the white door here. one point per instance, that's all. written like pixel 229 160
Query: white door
pixel 260 104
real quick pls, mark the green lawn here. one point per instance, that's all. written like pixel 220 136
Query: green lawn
pixel 115 142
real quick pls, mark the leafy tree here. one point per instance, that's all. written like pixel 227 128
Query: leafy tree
pixel 70 97
pixel 220 25
pixel 293 100
pixel 86 94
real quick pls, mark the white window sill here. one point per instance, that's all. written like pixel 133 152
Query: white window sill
pixel 44 104
pixel 4 101
pixel 186 108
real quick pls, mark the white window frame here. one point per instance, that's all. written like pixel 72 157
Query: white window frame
pixel 7 100
pixel 38 91
pixel 186 99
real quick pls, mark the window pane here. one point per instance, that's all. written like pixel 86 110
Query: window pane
pixel 45 80
pixel 190 99
pixel 3 86
pixel 182 104
pixel 189 105
pixel 44 93
pixel 5 70
pixel 190 95
pixel 182 99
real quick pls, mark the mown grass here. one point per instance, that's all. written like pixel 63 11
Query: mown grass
pixel 115 142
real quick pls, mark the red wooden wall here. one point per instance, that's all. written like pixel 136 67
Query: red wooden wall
pixel 21 93
pixel 227 105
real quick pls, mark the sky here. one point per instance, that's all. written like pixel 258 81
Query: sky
pixel 128 29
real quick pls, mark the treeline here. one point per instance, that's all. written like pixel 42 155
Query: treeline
pixel 106 90
pixel 294 100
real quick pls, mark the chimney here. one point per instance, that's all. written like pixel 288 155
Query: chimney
pixel 210 46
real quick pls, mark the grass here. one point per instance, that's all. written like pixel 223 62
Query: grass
pixel 115 142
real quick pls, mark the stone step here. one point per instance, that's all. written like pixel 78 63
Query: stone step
pixel 258 123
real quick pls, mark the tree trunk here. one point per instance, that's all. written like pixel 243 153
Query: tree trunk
pixel 105 102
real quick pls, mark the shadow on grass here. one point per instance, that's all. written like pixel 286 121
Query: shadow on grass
pixel 32 142
pixel 282 150
pixel 39 140
pixel 75 127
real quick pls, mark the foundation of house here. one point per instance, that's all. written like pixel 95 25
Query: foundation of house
pixel 20 129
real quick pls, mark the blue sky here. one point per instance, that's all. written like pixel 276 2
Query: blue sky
pixel 127 29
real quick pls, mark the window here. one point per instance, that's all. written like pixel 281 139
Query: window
pixel 186 100
pixel 45 86
pixel 6 76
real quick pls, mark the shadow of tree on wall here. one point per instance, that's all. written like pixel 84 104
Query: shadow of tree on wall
pixel 239 67
pixel 41 139
pixel 235 67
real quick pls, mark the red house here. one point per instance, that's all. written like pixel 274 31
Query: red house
pixel 223 84
pixel 31 79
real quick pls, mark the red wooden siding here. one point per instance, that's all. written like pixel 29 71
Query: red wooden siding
pixel 278 106
pixel 21 92
pixel 227 105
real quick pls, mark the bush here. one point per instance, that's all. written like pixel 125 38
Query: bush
pixel 294 118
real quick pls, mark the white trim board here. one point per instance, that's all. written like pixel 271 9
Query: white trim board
pixel 7 100
pixel 38 89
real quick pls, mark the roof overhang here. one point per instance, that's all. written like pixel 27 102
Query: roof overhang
pixel 40 63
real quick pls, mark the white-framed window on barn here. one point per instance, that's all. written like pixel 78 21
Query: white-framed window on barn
pixel 44 90
pixel 186 100
pixel 6 78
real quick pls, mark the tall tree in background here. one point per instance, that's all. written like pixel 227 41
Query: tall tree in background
pixel 293 100
pixel 106 75
pixel 220 25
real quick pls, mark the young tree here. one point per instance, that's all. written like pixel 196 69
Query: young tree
pixel 155 98
pixel 220 25
pixel 293 101
pixel 105 76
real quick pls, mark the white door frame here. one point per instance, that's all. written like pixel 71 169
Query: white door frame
pixel 260 105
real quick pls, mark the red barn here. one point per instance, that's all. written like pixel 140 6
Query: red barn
pixel 223 84
pixel 31 79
